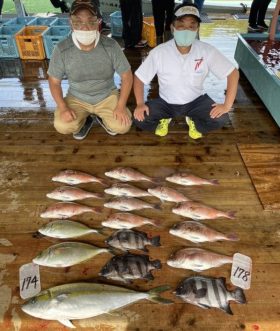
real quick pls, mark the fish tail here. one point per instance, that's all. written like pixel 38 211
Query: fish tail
pixel 230 214
pixel 155 241
pixel 156 223
pixel 157 180
pixel 99 231
pixel 214 181
pixel 238 295
pixel 98 196
pixel 154 295
pixel 103 182
pixel 156 264
pixel 232 237
pixel 97 210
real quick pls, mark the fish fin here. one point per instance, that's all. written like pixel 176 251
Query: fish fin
pixel 149 276
pixel 231 214
pixel 232 237
pixel 155 241
pixel 227 309
pixel 67 323
pixel 202 306
pixel 156 223
pixel 97 210
pixel 238 295
pixel 156 264
pixel 154 294
pixel 214 181
pixel 201 293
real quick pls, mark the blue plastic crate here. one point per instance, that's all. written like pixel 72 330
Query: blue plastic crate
pixel 21 21
pixel 8 46
pixel 116 24
pixel 54 35
pixel 61 22
pixel 10 68
pixel 46 21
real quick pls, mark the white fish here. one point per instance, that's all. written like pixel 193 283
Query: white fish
pixel 197 259
pixel 65 229
pixel 167 194
pixel 73 177
pixel 126 174
pixel 67 209
pixel 127 221
pixel 121 189
pixel 127 204
pixel 198 211
pixel 67 254
pixel 84 300
pixel 187 179
pixel 70 193
pixel 198 232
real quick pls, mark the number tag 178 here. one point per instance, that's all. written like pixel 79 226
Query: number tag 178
pixel 29 280
pixel 241 271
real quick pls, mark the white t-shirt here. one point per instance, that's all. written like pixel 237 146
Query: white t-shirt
pixel 180 76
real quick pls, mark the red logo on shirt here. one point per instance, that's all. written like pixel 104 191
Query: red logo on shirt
pixel 198 63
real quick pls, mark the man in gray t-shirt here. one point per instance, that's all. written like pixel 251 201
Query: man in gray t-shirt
pixel 89 61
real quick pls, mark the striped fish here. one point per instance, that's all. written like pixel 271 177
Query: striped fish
pixel 130 266
pixel 208 292
pixel 131 239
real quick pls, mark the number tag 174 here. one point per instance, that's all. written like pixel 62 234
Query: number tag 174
pixel 241 271
pixel 29 280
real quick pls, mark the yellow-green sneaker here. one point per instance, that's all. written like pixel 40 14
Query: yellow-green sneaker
pixel 193 133
pixel 162 128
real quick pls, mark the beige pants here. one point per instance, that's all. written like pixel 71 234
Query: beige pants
pixel 104 109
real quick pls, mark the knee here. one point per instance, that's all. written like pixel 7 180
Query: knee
pixel 66 128
pixel 120 129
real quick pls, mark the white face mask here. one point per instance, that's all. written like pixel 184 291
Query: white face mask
pixel 86 37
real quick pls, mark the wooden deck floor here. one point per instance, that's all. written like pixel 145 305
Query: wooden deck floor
pixel 31 152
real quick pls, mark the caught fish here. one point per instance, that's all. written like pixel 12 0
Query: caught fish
pixel 208 292
pixel 198 211
pixel 126 190
pixel 73 177
pixel 127 221
pixel 197 259
pixel 64 229
pixel 84 300
pixel 126 174
pixel 197 232
pixel 131 239
pixel 70 193
pixel 130 266
pixel 127 204
pixel 67 209
pixel 67 254
pixel 187 179
pixel 167 194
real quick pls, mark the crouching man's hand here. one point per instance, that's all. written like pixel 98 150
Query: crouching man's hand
pixel 67 114
pixel 122 116
pixel 139 112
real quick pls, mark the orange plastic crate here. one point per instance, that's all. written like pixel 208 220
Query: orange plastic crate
pixel 149 32
pixel 30 43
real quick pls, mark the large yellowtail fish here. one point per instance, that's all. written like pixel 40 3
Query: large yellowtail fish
pixel 84 300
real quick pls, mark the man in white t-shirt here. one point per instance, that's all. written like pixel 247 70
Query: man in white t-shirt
pixel 181 65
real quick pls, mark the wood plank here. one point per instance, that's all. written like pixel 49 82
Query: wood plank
pixel 263 164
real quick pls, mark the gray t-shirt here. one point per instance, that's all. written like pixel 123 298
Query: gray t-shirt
pixel 90 74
